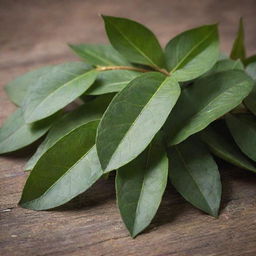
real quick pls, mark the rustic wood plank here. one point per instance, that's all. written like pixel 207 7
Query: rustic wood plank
pixel 32 35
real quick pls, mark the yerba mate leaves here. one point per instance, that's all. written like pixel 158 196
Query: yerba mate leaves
pixel 62 84
pixel 193 52
pixel 18 88
pixel 66 170
pixel 222 145
pixel 134 41
pixel 72 120
pixel 16 134
pixel 195 175
pixel 99 55
pixel 133 118
pixel 205 101
pixel 243 130
pixel 140 186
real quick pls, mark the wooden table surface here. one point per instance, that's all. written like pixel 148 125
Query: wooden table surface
pixel 35 33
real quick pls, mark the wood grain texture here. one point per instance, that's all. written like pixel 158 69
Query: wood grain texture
pixel 33 34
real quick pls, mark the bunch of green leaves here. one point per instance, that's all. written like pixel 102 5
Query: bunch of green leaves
pixel 147 114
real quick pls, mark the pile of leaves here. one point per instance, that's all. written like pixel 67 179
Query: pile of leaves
pixel 144 112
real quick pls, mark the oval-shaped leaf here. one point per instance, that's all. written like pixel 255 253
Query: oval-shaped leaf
pixel 205 101
pixel 111 81
pixel 140 186
pixel 134 41
pixel 222 145
pixel 96 54
pixel 16 134
pixel 82 115
pixel 195 175
pixel 66 170
pixel 243 130
pixel 250 101
pixel 193 52
pixel 18 88
pixel 134 117
pixel 238 49
pixel 62 84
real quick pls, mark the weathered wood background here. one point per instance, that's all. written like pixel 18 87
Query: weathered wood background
pixel 33 34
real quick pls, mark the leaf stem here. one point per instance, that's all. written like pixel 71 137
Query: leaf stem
pixel 103 68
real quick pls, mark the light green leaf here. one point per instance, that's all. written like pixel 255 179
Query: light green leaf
pixel 16 134
pixel 238 49
pixel 250 101
pixel 66 170
pixel 225 65
pixel 134 117
pixel 134 41
pixel 99 55
pixel 18 88
pixel 111 81
pixel 243 130
pixel 222 145
pixel 140 186
pixel 205 101
pixel 195 175
pixel 72 120
pixel 192 53
pixel 63 84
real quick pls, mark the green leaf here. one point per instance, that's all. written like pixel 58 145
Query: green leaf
pixel 238 49
pixel 134 117
pixel 205 101
pixel 16 134
pixel 102 55
pixel 250 101
pixel 66 170
pixel 225 65
pixel 192 53
pixel 243 130
pixel 72 120
pixel 112 81
pixel 63 84
pixel 134 41
pixel 18 88
pixel 222 145
pixel 195 175
pixel 140 186
pixel 250 60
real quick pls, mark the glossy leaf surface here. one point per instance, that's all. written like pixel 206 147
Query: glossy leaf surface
pixel 205 101
pixel 66 170
pixel 192 53
pixel 99 55
pixel 195 175
pixel 134 41
pixel 63 84
pixel 16 134
pixel 134 117
pixel 140 186
pixel 243 130
pixel 222 145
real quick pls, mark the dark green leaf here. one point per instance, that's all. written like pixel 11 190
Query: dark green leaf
pixel 63 84
pixel 195 175
pixel 102 55
pixel 250 60
pixel 16 134
pixel 243 130
pixel 84 114
pixel 205 101
pixel 238 49
pixel 112 81
pixel 193 52
pixel 18 88
pixel 134 41
pixel 140 186
pixel 66 170
pixel 222 145
pixel 134 117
